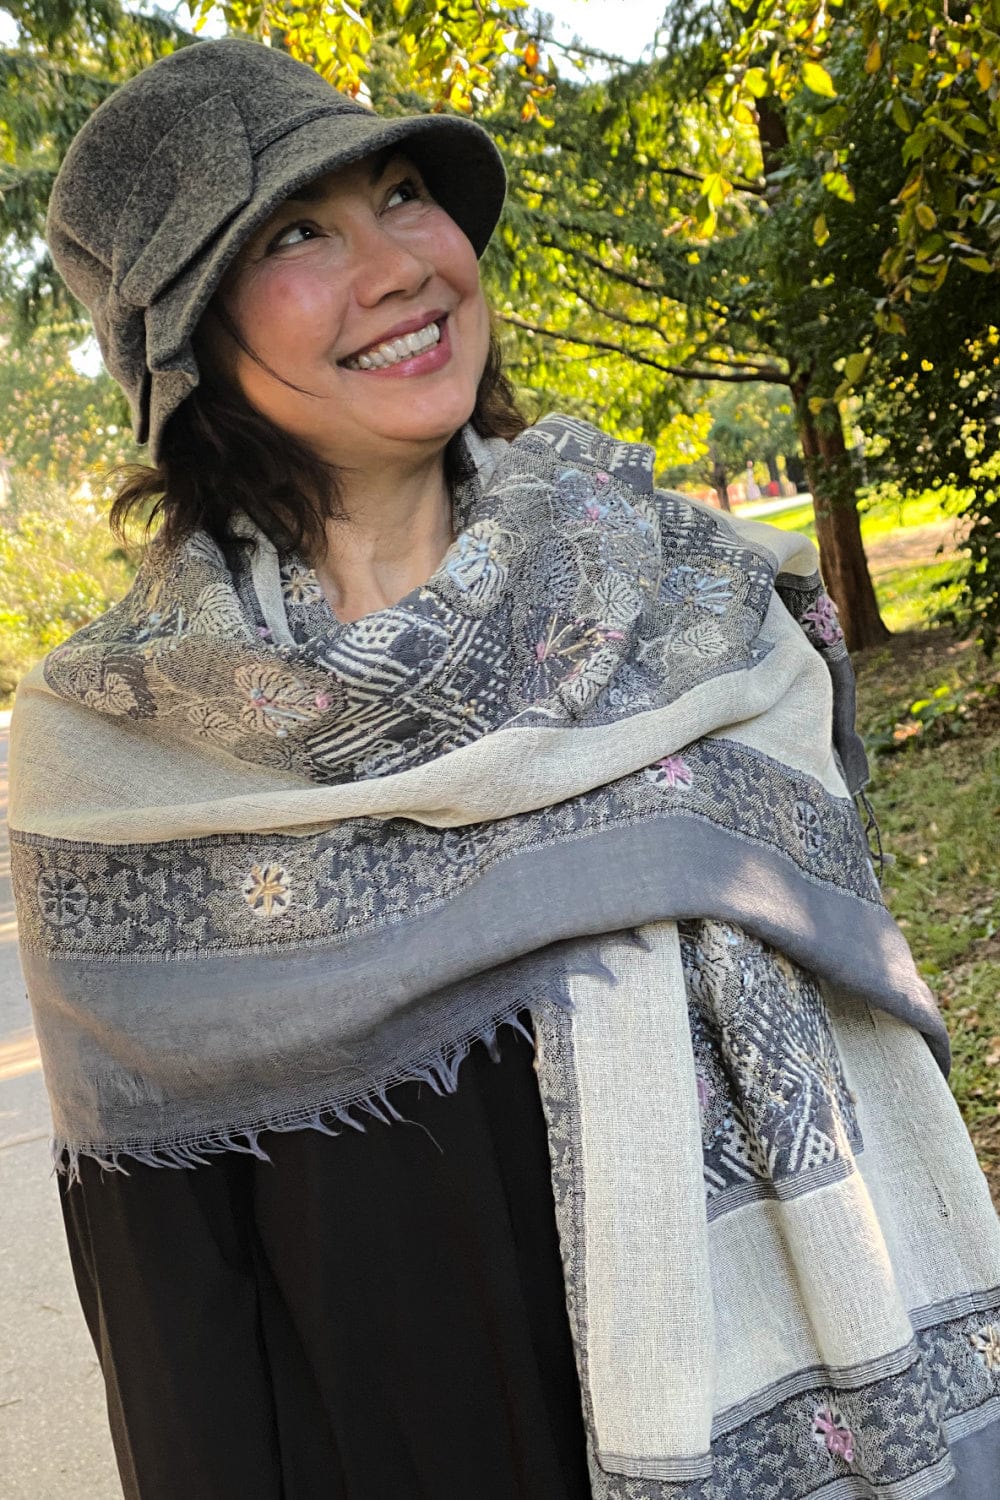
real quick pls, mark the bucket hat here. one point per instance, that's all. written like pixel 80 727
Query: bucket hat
pixel 176 170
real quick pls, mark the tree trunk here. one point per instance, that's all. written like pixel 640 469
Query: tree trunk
pixel 838 525
pixel 720 482
pixel 828 464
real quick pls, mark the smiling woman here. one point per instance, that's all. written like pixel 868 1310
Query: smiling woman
pixel 445 855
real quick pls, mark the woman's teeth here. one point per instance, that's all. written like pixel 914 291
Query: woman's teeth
pixel 397 349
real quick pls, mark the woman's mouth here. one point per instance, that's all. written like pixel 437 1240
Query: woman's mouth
pixel 394 351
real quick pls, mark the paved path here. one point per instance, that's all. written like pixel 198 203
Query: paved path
pixel 54 1443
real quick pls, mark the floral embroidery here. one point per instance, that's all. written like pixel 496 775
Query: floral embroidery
pixel 300 585
pixel 63 898
pixel 986 1343
pixel 672 771
pixel 267 890
pixel 273 701
pixel 217 611
pixel 832 1433
pixel 684 585
pixel 112 696
pixel 705 637
pixel 478 565
pixel 821 623
pixel 558 648
pixel 210 723
pixel 808 826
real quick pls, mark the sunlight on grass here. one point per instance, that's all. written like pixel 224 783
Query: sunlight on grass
pixel 909 597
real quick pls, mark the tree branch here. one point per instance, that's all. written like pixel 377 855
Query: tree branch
pixel 757 188
pixel 768 374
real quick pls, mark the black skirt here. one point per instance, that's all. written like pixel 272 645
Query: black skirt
pixel 379 1316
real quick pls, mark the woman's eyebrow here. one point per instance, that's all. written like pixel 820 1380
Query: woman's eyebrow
pixel 310 192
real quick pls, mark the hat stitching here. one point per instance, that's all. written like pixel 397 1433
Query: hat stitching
pixel 278 132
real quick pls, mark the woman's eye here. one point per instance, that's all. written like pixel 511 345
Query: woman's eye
pixel 404 192
pixel 293 234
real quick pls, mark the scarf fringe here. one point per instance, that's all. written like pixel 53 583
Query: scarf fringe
pixel 439 1070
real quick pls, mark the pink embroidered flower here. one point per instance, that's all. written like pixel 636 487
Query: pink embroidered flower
pixel 706 1091
pixel 822 616
pixel 671 771
pixel 832 1433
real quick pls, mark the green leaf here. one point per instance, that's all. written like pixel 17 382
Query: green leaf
pixel 926 217
pixel 977 263
pixel 855 366
pixel 817 80
pixel 755 82
pixel 901 115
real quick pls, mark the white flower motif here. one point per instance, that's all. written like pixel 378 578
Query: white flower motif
pixel 300 585
pixel 112 696
pixel 267 890
pixel 217 611
pixel 986 1343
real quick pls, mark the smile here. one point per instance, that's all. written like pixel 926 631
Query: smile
pixel 390 353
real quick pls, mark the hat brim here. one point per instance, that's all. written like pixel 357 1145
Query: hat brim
pixel 459 162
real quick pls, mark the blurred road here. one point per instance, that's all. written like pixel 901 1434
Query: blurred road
pixel 54 1443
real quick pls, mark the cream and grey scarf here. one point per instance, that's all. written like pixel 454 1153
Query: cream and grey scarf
pixel 601 765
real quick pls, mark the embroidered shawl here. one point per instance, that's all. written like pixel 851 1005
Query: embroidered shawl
pixel 265 869
pixel 600 765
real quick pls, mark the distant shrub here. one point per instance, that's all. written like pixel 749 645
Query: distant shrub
pixel 59 568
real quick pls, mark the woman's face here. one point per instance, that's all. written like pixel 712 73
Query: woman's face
pixel 364 295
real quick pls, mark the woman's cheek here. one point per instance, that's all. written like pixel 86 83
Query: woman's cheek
pixel 291 304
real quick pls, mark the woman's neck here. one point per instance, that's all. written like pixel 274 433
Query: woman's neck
pixel 396 528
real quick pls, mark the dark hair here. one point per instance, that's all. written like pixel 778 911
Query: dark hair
pixel 220 455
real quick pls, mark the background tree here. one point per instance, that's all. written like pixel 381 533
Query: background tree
pixel 798 195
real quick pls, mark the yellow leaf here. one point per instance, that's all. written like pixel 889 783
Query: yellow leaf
pixel 817 79
pixel 926 217
pixel 821 231
pixel 984 73
pixel 874 59
pixel 755 82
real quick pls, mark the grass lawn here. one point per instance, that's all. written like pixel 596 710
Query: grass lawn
pixel 929 707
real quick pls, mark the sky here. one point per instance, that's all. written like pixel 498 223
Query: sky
pixel 623 27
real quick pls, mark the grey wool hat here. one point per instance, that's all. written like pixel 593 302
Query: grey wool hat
pixel 176 170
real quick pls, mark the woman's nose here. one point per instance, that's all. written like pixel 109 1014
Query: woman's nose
pixel 385 264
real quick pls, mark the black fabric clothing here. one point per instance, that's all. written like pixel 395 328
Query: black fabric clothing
pixel 379 1316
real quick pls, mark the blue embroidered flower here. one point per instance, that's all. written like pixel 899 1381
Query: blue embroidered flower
pixel 684 585
pixel 477 564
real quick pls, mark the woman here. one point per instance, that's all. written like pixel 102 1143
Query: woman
pixel 410 737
